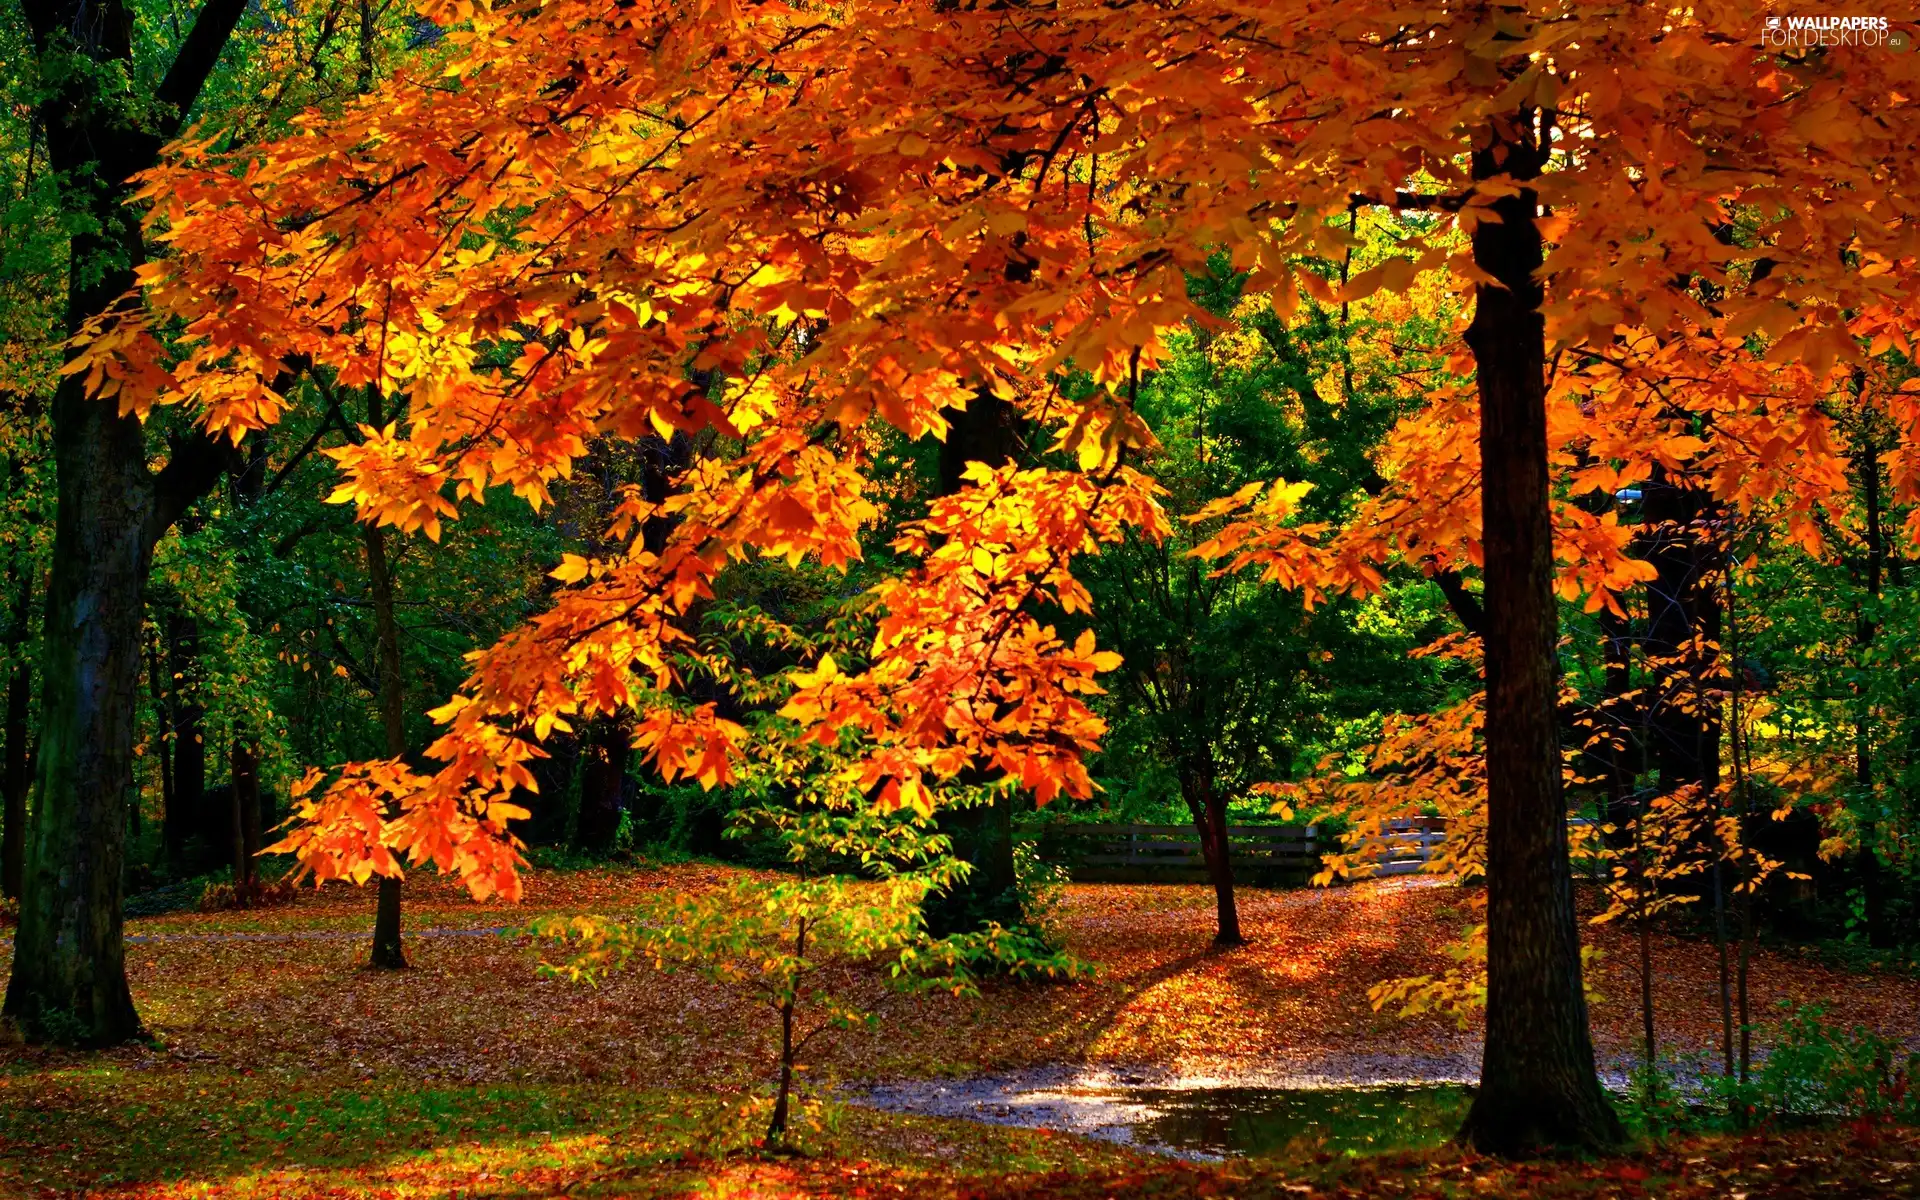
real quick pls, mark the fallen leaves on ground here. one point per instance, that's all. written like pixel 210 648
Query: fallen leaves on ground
pixel 257 1009
pixel 473 1009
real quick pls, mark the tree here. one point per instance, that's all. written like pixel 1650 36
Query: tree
pixel 857 893
pixel 25 555
pixel 94 100
pixel 856 888
pixel 1537 1083
pixel 387 953
pixel 1681 833
pixel 68 975
pixel 1228 685
pixel 29 368
pixel 827 217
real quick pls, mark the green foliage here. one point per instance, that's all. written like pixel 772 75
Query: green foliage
pixel 200 575
pixel 1814 1071
pixel 1817 1069
pixel 1229 682
pixel 1042 890
pixel 854 893
pixel 1653 1103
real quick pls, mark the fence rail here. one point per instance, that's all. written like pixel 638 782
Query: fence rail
pixel 1263 855
pixel 1270 855
pixel 1411 845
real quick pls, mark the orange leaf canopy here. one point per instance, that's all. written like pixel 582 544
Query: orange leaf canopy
pixel 783 221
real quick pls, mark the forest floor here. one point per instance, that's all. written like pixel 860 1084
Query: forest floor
pixel 281 1069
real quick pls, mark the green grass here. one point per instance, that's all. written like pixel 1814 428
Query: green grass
pixel 167 1124
pixel 77 1128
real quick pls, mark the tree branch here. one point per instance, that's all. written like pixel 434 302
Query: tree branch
pixel 307 528
pixel 344 657
pixel 195 61
pixel 299 456
pixel 192 469
pixel 1465 604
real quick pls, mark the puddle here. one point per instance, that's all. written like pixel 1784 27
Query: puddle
pixel 1196 1119
pixel 1293 1122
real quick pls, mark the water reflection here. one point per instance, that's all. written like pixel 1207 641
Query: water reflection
pixel 1291 1122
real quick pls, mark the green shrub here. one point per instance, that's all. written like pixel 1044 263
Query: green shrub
pixel 1815 1071
pixel 1654 1103
pixel 1820 1070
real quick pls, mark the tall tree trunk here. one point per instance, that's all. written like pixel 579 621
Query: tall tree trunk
pixel 603 777
pixel 387 953
pixel 249 484
pixel 550 805
pixel 663 461
pixel 1743 790
pixel 1682 641
pixel 13 801
pixel 69 978
pixel 1649 1046
pixel 1647 894
pixel 1718 882
pixel 982 835
pixel 188 818
pixel 1209 810
pixel 13 806
pixel 245 790
pixel 163 720
pixel 1866 628
pixel 1538 1086
pixel 1683 631
pixel 69 974
pixel 1615 720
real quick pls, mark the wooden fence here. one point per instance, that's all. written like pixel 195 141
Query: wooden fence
pixel 1263 855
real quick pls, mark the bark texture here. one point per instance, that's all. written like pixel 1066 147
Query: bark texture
pixel 69 975
pixel 1873 881
pixel 18 758
pixel 603 786
pixel 1538 1087
pixel 186 817
pixel 1209 809
pixel 387 953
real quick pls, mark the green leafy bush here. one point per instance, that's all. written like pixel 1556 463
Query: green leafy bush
pixel 1817 1069
pixel 1814 1071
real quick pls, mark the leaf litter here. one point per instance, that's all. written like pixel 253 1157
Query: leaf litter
pixel 307 1075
